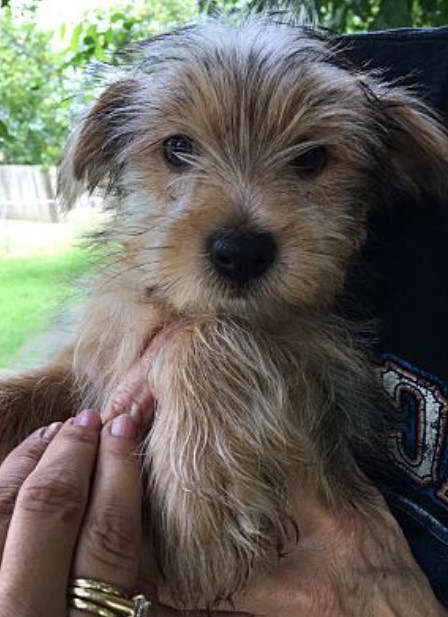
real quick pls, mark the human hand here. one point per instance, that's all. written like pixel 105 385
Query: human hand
pixel 50 531
pixel 347 563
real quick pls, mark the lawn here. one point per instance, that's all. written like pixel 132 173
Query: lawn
pixel 30 289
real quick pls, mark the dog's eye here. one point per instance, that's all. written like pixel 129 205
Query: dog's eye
pixel 311 162
pixel 176 150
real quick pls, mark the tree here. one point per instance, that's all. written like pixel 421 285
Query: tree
pixel 34 94
pixel 106 32
pixel 38 86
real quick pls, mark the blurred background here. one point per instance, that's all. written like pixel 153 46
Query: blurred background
pixel 46 47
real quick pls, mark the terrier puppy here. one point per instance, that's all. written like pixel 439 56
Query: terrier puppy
pixel 240 163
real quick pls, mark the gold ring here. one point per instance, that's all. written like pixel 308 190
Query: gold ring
pixel 98 598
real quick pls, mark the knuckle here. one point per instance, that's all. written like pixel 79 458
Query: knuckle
pixel 123 453
pixel 121 400
pixel 77 434
pixel 28 454
pixel 19 467
pixel 111 538
pixel 8 497
pixel 57 492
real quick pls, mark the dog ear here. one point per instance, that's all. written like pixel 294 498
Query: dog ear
pixel 95 148
pixel 417 143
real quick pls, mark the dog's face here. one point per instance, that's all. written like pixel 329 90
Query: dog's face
pixel 244 161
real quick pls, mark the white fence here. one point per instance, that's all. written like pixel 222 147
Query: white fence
pixel 28 193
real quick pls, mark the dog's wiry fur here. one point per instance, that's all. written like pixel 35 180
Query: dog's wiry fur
pixel 264 385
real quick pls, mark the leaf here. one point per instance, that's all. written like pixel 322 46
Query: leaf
pixel 427 6
pixel 209 7
pixel 362 8
pixel 92 31
pixel 74 41
pixel 393 14
pixel 117 17
pixel 99 51
pixel 4 133
pixel 109 36
pixel 338 20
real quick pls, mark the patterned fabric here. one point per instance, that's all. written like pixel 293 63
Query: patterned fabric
pixel 419 498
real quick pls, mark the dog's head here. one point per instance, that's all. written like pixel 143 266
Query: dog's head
pixel 242 161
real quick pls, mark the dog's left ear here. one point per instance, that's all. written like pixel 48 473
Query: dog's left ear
pixel 417 143
pixel 95 150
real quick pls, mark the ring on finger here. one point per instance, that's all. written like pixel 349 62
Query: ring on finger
pixel 98 598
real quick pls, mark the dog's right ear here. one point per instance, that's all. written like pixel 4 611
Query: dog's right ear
pixel 92 156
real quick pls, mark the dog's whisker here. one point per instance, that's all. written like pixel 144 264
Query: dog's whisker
pixel 158 248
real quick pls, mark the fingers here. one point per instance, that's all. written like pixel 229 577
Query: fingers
pixel 47 517
pixel 16 468
pixel 133 395
pixel 111 537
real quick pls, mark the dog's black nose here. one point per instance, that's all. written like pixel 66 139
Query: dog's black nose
pixel 242 255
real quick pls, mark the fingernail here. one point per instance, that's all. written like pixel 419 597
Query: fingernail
pixel 124 426
pixel 88 418
pixel 50 431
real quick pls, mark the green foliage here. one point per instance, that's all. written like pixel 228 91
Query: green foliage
pixel 361 15
pixel 33 94
pixel 352 15
pixel 5 135
pixel 105 33
pixel 37 84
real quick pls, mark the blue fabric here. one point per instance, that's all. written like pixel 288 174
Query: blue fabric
pixel 416 57
pixel 409 293
pixel 418 497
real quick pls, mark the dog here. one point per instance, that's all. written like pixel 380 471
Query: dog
pixel 241 163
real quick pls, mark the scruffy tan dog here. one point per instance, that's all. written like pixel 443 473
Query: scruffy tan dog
pixel 241 162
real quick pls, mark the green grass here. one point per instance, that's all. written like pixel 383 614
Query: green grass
pixel 30 289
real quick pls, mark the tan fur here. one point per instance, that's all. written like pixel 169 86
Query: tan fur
pixel 257 387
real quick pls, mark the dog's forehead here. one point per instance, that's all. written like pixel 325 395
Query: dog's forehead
pixel 258 74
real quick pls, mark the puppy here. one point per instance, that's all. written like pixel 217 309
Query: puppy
pixel 240 163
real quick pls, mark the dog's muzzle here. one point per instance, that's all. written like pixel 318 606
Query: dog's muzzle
pixel 241 256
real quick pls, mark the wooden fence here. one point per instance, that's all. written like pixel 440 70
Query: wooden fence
pixel 28 193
